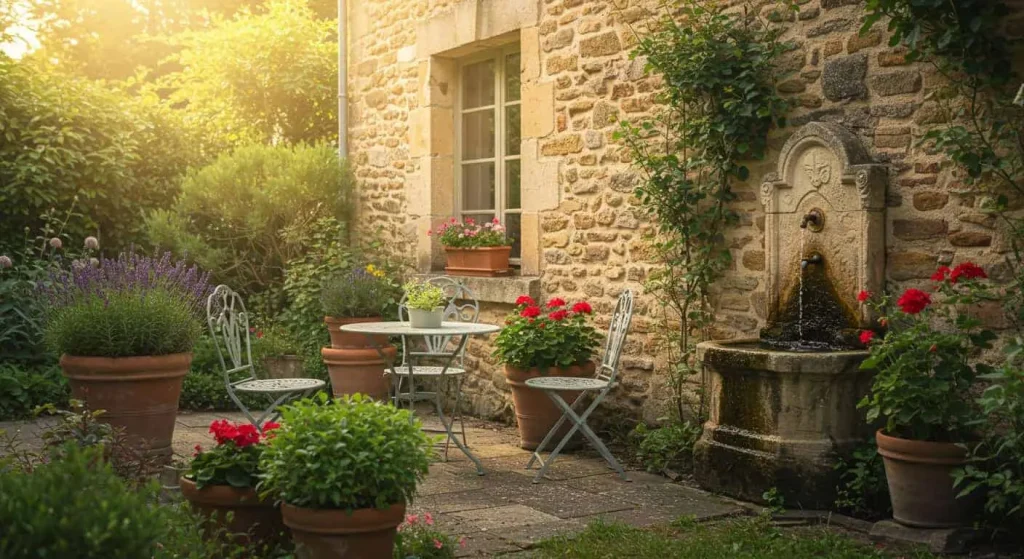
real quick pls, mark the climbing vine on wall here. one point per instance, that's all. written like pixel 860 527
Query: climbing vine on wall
pixel 717 104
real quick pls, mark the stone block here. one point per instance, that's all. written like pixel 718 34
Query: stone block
pixel 503 290
pixel 843 78
pixel 792 86
pixel 529 47
pixel 605 115
pixel 911 265
pixel 930 200
pixel 604 44
pixel 896 83
pixel 970 239
pixel 829 27
pixel 943 540
pixel 562 145
pixel 858 42
pixel 538 109
pixel 919 229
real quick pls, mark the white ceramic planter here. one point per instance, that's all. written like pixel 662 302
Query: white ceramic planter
pixel 419 318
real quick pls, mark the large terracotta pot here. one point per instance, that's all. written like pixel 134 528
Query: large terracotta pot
pixel 251 520
pixel 138 394
pixel 921 483
pixel 481 262
pixel 536 414
pixel 338 534
pixel 353 363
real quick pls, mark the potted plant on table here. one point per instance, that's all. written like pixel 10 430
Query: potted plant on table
pixel 362 294
pixel 221 483
pixel 540 340
pixel 344 471
pixel 125 329
pixel 473 249
pixel 922 393
pixel 425 303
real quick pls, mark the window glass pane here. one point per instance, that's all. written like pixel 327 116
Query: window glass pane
pixel 512 132
pixel 513 229
pixel 478 186
pixel 478 84
pixel 512 179
pixel 512 81
pixel 478 135
pixel 479 218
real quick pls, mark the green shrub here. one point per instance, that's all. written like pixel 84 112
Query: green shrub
pixel 863 489
pixel 347 454
pixel 670 446
pixel 363 291
pixel 22 390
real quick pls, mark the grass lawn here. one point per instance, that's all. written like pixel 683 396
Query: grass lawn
pixel 749 538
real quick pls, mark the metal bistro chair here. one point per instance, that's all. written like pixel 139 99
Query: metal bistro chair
pixel 229 326
pixel 462 306
pixel 603 382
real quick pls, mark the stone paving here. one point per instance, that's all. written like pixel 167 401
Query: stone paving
pixel 503 512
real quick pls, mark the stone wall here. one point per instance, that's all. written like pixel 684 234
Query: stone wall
pixel 588 233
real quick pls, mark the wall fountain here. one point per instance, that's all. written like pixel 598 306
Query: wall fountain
pixel 782 408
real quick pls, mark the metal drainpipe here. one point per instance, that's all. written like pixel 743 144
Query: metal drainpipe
pixel 342 80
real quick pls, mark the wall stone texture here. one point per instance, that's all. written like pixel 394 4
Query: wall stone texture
pixel 589 232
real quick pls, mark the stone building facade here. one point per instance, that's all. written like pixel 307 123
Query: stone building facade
pixel 581 234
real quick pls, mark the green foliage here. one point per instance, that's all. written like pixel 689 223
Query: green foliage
pixel 715 110
pixel 363 291
pixel 923 375
pixel 263 75
pixel 234 461
pixel 418 539
pixel 561 338
pixel 669 446
pixel 423 295
pixel 252 211
pixel 76 507
pixel 24 389
pixel 863 490
pixel 66 137
pixel 348 454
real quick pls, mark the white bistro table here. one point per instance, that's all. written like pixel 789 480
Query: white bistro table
pixel 438 339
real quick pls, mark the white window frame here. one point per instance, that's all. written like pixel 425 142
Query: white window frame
pixel 500 157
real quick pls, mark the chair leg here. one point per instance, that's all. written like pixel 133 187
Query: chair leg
pixel 551 434
pixel 447 424
pixel 579 423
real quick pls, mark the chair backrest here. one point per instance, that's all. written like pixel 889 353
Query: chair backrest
pixel 229 325
pixel 617 331
pixel 461 306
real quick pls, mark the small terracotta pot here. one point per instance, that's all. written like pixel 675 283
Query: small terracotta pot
pixel 252 520
pixel 347 340
pixel 921 482
pixel 480 262
pixel 358 371
pixel 283 366
pixel 338 534
pixel 536 414
pixel 138 394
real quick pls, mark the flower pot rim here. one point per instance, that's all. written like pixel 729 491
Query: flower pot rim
pixel 137 367
pixel 329 521
pixel 222 495
pixel 898 448
pixel 501 247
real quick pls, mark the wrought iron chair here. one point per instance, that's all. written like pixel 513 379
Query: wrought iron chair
pixel 462 306
pixel 602 382
pixel 229 325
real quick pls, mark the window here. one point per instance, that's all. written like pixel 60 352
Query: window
pixel 488 169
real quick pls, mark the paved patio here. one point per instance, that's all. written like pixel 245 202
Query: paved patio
pixel 503 512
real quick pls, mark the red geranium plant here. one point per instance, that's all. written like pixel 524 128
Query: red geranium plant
pixel 553 334
pixel 923 368
pixel 234 460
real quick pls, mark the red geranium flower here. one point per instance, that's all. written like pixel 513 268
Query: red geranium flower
pixel 863 295
pixel 866 336
pixel 560 314
pixel 525 300
pixel 967 270
pixel 270 426
pixel 582 307
pixel 223 431
pixel 556 302
pixel 914 301
pixel 941 273
pixel 247 435
pixel 530 312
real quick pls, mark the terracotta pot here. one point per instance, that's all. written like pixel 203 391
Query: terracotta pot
pixel 283 366
pixel 252 520
pixel 337 534
pixel 348 340
pixel 921 483
pixel 138 394
pixel 482 261
pixel 358 371
pixel 536 414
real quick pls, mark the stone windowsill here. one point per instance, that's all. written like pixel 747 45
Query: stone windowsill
pixel 496 290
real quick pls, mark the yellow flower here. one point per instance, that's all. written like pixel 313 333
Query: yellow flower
pixel 374 271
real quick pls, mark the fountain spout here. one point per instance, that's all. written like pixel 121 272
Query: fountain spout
pixel 814 219
pixel 812 259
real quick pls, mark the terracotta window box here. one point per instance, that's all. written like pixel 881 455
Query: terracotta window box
pixel 478 262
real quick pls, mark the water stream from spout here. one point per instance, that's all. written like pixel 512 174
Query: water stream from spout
pixel 800 318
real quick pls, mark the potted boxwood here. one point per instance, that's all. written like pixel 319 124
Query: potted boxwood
pixel 473 249
pixel 362 294
pixel 344 471
pixel 425 303
pixel 554 339
pixel 220 484
pixel 125 329
pixel 922 394
pixel 276 350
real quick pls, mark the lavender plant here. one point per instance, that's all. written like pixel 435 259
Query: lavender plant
pixel 132 306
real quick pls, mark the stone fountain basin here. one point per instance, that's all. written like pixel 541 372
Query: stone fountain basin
pixel 779 419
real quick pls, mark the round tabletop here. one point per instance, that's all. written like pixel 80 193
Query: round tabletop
pixel 405 329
